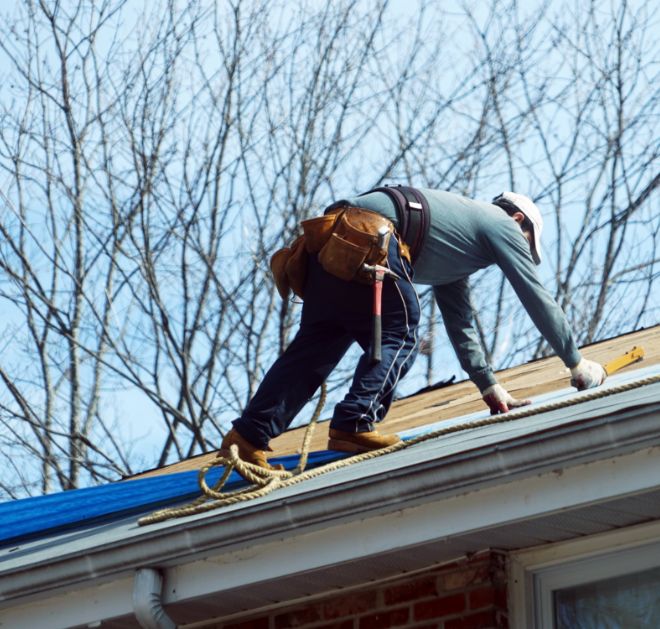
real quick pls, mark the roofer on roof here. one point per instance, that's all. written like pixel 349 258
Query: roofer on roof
pixel 445 238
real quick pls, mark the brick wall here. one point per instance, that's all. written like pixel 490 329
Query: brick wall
pixel 467 594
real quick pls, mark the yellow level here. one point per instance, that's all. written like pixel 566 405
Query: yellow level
pixel 634 355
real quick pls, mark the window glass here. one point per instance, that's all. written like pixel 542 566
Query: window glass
pixel 630 601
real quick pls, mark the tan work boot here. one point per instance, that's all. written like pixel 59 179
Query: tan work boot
pixel 359 441
pixel 246 450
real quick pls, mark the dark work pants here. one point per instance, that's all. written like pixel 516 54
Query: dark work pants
pixel 335 314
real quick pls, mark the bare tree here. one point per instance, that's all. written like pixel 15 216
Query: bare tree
pixel 150 163
pixel 576 110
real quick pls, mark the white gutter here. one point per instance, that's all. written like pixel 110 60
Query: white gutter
pixel 147 600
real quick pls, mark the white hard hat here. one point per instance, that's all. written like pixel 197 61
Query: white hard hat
pixel 529 209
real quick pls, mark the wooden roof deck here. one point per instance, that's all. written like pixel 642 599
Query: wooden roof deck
pixel 528 380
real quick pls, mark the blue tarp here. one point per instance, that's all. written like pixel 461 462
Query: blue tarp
pixel 30 518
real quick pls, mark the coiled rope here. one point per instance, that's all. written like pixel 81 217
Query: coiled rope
pixel 265 481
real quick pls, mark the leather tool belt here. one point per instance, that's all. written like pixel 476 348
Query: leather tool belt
pixel 345 238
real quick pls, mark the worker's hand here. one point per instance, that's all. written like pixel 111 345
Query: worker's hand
pixel 587 374
pixel 500 400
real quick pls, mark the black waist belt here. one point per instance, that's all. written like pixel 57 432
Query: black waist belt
pixel 412 210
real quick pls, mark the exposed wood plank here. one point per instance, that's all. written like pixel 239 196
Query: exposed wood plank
pixel 528 380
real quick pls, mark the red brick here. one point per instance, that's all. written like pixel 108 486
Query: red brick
pixel 440 607
pixel 349 605
pixel 411 591
pixel 500 597
pixel 484 597
pixel 482 620
pixel 341 624
pixel 297 617
pixel 257 623
pixel 384 619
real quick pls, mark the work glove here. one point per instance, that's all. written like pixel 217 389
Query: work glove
pixel 500 400
pixel 587 374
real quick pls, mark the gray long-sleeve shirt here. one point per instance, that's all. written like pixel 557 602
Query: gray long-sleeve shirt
pixel 464 237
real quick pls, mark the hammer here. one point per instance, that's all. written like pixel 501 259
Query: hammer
pixel 378 273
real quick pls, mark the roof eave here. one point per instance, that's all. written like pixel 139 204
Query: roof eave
pixel 182 541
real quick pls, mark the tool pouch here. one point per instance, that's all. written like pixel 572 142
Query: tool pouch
pixel 346 238
pixel 318 230
pixel 289 268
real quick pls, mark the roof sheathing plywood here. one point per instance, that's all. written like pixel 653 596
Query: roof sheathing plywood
pixel 528 380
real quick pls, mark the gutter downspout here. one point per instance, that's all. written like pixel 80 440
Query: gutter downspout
pixel 147 600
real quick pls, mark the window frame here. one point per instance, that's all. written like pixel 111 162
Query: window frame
pixel 535 574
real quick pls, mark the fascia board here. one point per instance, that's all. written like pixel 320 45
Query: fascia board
pixel 89 605
pixel 325 501
pixel 440 521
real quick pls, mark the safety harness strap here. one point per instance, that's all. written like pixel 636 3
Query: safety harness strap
pixel 413 215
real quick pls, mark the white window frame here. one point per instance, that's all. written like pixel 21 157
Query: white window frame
pixel 535 574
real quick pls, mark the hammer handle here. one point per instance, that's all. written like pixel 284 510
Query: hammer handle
pixel 375 353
